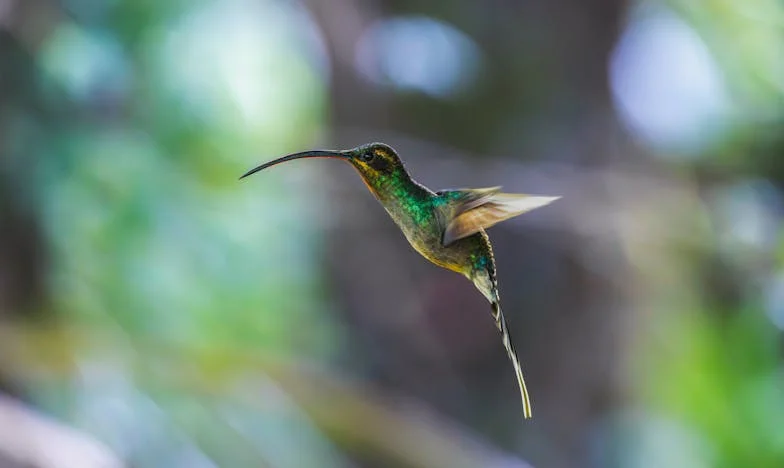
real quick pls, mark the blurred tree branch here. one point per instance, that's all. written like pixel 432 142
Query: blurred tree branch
pixel 31 440
pixel 359 419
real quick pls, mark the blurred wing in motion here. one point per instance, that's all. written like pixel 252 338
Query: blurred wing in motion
pixel 481 208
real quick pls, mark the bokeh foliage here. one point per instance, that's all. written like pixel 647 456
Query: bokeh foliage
pixel 188 319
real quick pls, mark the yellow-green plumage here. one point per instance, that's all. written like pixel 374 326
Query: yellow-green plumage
pixel 446 227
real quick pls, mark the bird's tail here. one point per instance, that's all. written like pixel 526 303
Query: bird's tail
pixel 501 324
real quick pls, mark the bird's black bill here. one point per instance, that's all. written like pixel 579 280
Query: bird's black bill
pixel 291 157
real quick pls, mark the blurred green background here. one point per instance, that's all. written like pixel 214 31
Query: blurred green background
pixel 181 318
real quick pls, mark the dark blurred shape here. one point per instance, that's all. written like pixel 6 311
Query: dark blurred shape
pixel 22 255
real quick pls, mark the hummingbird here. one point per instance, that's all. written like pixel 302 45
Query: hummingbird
pixel 447 227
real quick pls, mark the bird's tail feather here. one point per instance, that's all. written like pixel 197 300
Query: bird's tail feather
pixel 501 324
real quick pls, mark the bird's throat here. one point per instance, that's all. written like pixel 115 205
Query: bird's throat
pixel 407 202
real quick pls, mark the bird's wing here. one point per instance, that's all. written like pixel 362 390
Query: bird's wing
pixel 456 201
pixel 474 209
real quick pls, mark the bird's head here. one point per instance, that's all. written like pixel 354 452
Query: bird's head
pixel 374 161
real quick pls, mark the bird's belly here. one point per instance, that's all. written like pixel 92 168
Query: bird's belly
pixel 426 238
pixel 456 256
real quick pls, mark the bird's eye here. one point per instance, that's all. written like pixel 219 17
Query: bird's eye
pixel 367 156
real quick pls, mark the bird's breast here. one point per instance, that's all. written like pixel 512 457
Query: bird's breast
pixel 427 240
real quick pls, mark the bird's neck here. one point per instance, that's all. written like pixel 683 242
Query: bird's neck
pixel 404 198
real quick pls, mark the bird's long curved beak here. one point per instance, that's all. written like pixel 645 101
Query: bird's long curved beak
pixel 303 155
